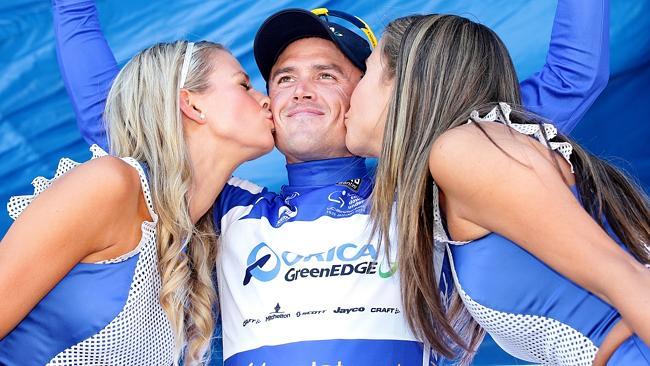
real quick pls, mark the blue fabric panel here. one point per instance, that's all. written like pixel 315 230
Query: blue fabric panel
pixel 86 300
pixel 631 352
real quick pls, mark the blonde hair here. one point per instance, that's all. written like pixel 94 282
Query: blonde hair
pixel 143 120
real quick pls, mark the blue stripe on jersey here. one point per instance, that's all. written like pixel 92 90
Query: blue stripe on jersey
pixel 236 193
pixel 309 204
pixel 326 171
pixel 335 352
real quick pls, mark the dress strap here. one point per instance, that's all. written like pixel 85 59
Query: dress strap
pixel 439 232
pixel 144 183
pixel 148 227
pixel 501 113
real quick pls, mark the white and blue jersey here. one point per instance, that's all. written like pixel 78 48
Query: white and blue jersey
pixel 300 281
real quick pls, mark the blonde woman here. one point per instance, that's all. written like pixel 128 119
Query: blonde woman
pixel 111 262
pixel 547 243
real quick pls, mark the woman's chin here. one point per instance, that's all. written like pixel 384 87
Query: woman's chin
pixel 359 149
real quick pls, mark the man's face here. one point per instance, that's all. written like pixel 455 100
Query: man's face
pixel 310 87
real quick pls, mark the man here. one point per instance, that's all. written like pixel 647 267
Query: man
pixel 299 280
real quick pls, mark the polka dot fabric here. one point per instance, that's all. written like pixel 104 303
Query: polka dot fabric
pixel 530 337
pixel 17 204
pixel 502 114
pixel 141 334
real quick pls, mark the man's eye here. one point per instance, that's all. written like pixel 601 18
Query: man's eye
pixel 284 79
pixel 246 86
pixel 327 76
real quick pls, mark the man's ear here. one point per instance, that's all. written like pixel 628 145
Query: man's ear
pixel 189 109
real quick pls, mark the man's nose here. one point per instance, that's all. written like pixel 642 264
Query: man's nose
pixel 303 90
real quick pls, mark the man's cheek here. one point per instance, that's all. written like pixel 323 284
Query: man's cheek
pixel 275 96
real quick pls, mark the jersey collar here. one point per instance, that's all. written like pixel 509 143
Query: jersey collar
pixel 327 171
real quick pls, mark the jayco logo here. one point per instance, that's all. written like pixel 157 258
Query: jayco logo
pixel 264 264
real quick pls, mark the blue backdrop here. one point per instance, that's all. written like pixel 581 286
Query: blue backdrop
pixel 37 124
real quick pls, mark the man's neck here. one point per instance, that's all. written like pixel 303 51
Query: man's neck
pixel 326 171
pixel 290 159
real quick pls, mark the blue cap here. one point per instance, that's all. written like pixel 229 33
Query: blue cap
pixel 287 26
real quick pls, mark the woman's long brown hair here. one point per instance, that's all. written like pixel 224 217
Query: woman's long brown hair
pixel 444 67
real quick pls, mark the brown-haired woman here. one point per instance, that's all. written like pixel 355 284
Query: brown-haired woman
pixel 549 242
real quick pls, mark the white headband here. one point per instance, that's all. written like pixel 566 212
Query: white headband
pixel 186 63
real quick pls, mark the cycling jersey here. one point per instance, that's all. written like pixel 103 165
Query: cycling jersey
pixel 300 280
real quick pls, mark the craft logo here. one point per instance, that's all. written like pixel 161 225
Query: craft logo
pixel 361 309
pixel 264 264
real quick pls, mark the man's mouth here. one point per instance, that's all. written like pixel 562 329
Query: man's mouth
pixel 306 112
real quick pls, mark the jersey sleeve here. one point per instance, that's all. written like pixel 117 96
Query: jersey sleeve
pixel 577 64
pixel 87 64
pixel 237 193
